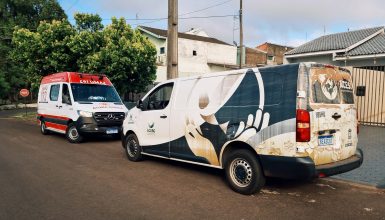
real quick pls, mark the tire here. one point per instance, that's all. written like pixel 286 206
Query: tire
pixel 132 148
pixel 43 128
pixel 243 172
pixel 72 134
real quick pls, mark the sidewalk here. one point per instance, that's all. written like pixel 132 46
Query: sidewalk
pixel 372 172
pixel 16 106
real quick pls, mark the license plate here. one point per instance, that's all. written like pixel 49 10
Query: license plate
pixel 111 131
pixel 325 140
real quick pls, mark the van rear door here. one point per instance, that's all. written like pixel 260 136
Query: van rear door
pixel 333 121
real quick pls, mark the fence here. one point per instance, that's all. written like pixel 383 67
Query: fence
pixel 369 82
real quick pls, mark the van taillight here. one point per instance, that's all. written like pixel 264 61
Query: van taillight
pixel 303 126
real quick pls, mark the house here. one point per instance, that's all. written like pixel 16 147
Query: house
pixel 197 52
pixel 363 53
pixel 365 47
pixel 254 57
pixel 274 52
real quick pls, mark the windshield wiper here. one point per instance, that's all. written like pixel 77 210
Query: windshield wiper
pixel 82 102
pixel 118 103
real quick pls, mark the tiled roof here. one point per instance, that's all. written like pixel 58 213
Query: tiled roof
pixel 376 45
pixel 163 33
pixel 334 41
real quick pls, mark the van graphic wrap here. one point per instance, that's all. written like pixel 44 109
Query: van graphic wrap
pixel 241 116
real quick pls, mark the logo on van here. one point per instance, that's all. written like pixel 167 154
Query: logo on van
pixel 329 89
pixel 151 128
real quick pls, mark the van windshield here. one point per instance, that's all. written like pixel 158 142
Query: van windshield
pixel 331 86
pixel 94 93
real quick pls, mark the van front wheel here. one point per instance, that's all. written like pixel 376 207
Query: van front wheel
pixel 243 172
pixel 72 134
pixel 132 147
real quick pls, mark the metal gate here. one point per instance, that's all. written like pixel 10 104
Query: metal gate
pixel 369 82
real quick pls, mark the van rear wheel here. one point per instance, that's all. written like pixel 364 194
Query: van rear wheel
pixel 132 147
pixel 72 134
pixel 243 172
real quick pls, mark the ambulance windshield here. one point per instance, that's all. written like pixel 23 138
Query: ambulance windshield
pixel 94 93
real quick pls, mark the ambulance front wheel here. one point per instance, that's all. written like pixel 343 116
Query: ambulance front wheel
pixel 43 128
pixel 243 172
pixel 72 134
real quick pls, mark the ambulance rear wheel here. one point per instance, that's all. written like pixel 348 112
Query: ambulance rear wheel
pixel 43 128
pixel 72 134
pixel 243 172
pixel 132 147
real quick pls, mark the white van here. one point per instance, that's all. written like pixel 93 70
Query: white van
pixel 289 121
pixel 76 104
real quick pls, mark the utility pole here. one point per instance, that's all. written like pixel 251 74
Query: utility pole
pixel 172 40
pixel 240 35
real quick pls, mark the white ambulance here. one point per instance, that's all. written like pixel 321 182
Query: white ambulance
pixel 77 104
pixel 289 121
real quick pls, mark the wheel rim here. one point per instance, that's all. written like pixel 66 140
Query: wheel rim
pixel 73 133
pixel 132 147
pixel 241 172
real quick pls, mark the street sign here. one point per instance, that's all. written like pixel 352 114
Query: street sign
pixel 24 92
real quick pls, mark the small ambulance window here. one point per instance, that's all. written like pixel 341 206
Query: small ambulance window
pixel 54 92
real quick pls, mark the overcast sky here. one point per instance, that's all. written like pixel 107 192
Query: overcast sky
pixel 285 22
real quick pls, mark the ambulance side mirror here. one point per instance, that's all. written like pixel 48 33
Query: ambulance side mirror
pixel 139 104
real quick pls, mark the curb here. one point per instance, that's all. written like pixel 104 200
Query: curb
pixel 13 107
pixel 356 183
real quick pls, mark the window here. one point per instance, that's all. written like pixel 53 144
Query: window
pixel 66 95
pixel 159 98
pixel 360 90
pixel 94 93
pixel 194 52
pixel 54 92
pixel 161 50
pixel 270 57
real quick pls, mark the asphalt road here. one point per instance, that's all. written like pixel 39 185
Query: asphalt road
pixel 45 177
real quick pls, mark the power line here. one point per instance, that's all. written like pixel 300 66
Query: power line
pixel 73 4
pixel 186 18
pixel 212 6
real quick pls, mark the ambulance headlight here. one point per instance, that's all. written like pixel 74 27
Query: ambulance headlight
pixel 85 113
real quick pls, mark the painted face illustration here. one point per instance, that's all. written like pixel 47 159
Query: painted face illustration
pixel 329 89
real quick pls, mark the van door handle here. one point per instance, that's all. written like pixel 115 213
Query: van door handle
pixel 163 116
pixel 59 106
pixel 336 116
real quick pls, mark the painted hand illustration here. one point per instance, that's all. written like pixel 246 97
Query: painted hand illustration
pixel 198 144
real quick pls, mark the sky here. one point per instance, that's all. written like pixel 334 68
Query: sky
pixel 284 22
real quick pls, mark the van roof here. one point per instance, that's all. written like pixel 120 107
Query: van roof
pixel 74 77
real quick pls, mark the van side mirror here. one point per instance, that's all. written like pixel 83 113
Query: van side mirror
pixel 139 104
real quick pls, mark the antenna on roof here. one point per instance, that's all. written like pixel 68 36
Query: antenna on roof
pixel 324 30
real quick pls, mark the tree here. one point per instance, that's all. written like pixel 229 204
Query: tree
pixel 22 14
pixel 121 53
pixel 45 51
pixel 127 57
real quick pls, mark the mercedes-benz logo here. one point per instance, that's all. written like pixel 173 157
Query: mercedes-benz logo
pixel 111 116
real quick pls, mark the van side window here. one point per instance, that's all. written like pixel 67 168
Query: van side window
pixel 54 92
pixel 66 95
pixel 159 98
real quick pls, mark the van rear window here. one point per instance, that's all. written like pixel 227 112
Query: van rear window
pixel 331 86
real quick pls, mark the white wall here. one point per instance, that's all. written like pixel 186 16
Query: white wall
pixel 189 65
